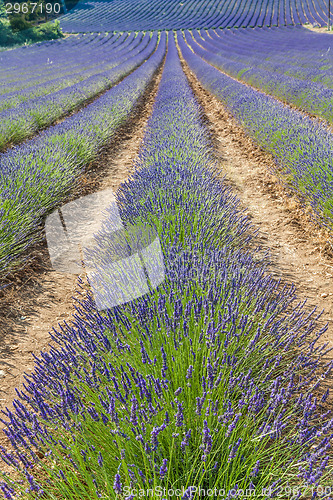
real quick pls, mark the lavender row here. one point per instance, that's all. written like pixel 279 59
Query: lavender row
pixel 63 67
pixel 21 122
pixel 296 52
pixel 207 381
pixel 37 175
pixel 308 96
pixel 73 66
pixel 130 15
pixel 301 146
pixel 27 65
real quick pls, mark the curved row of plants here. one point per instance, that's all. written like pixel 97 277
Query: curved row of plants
pixel 27 65
pixel 210 379
pixel 312 97
pixel 58 67
pixel 37 175
pixel 128 15
pixel 301 146
pixel 18 123
pixel 297 51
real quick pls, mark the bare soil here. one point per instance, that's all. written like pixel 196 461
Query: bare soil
pixel 39 298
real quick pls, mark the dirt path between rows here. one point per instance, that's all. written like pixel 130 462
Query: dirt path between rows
pixel 39 297
pixel 301 252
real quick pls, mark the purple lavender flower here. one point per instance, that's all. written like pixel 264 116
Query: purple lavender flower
pixel 325 396
pixel 139 437
pixel 134 408
pixel 188 494
pixel 234 449
pixel 200 402
pixel 112 410
pixel 141 474
pixel 210 374
pixel 207 441
pixel 189 372
pixel 154 441
pixel 117 486
pixel 233 424
pixel 62 475
pixel 7 491
pixel 164 468
pixel 179 414
pixel 100 459
pixel 144 355
pixel 186 440
pixel 147 448
pixel 255 471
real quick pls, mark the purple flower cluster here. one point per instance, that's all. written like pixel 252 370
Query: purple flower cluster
pixel 207 441
pixel 164 468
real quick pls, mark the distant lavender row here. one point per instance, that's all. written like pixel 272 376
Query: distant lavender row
pixel 295 48
pixel 295 51
pixel 25 65
pixel 37 175
pixel 198 382
pixel 128 15
pixel 307 96
pixel 302 147
pixel 21 122
pixel 49 75
pixel 109 55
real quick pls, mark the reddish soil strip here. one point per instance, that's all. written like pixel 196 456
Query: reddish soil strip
pixel 40 298
pixel 301 252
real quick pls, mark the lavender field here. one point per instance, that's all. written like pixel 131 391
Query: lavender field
pixel 127 15
pixel 192 363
